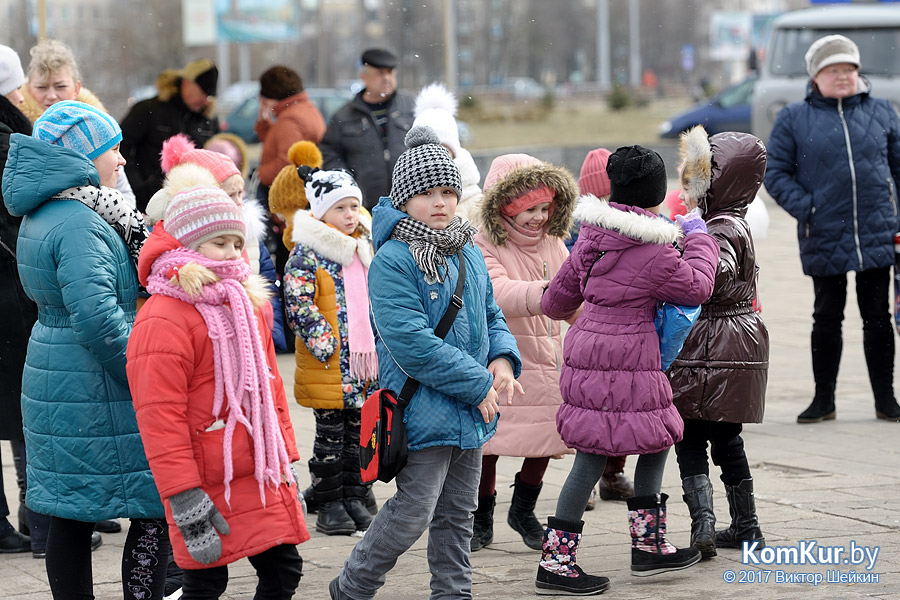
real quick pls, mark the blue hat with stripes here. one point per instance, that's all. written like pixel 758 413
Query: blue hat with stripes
pixel 78 126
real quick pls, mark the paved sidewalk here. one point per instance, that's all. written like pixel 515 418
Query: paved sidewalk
pixel 837 483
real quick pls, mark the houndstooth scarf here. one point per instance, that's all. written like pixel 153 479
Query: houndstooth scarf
pixel 112 208
pixel 431 247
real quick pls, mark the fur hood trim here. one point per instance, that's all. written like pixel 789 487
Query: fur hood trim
pixel 646 228
pixel 167 87
pixel 517 182
pixel 696 157
pixel 254 220
pixel 33 110
pixel 192 277
pixel 331 243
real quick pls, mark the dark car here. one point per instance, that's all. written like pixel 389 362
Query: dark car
pixel 728 110
pixel 241 120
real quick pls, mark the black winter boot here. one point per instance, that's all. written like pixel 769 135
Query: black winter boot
pixel 821 409
pixel 328 485
pixel 744 524
pixel 483 528
pixel 558 574
pixel 878 345
pixel 651 552
pixel 19 462
pixel 827 346
pixel 521 513
pixel 311 499
pixel 698 495
pixel 355 494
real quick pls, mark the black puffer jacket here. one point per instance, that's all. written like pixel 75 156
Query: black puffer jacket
pixel 19 312
pixel 722 371
pixel 148 125
pixel 353 142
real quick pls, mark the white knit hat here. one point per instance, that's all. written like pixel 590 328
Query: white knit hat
pixel 436 108
pixel 11 75
pixel 830 50
pixel 324 189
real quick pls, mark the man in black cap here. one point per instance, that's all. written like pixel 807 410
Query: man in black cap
pixel 365 136
pixel 185 103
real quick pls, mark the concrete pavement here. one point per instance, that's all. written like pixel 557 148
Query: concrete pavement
pixel 836 482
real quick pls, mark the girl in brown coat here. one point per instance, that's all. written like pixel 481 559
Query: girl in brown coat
pixel 719 378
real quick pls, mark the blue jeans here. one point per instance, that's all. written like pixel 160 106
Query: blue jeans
pixel 437 490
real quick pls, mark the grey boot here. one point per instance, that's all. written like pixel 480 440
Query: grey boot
pixel 744 524
pixel 698 495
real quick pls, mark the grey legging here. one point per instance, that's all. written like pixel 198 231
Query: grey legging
pixel 586 472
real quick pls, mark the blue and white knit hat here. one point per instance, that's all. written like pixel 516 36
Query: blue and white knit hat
pixel 79 127
pixel 425 165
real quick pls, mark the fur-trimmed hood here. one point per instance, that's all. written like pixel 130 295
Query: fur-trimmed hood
pixel 331 243
pixel 168 87
pixel 630 221
pixel 722 172
pixel 33 110
pixel 520 180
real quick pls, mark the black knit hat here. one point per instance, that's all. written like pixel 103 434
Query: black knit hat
pixel 637 177
pixel 425 165
pixel 280 82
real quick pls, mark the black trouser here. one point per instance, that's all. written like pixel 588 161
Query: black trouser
pixel 726 448
pixel 279 570
pixel 872 297
pixel 144 559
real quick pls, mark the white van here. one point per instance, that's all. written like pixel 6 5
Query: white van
pixel 782 79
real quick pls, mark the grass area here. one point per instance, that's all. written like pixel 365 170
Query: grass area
pixel 569 123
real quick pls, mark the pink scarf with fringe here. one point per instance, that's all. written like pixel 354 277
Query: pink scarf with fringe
pixel 363 359
pixel 242 375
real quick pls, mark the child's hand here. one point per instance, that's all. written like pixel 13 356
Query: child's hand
pixel 504 379
pixel 490 406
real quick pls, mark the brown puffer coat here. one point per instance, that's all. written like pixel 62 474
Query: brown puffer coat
pixel 721 373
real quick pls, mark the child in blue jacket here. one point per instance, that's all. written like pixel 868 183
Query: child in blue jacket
pixel 461 378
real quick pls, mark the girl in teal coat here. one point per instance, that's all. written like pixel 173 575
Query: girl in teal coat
pixel 76 250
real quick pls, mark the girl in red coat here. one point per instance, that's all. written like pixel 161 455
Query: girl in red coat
pixel 210 403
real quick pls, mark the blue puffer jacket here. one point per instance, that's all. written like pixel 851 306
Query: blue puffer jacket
pixel 85 457
pixel 452 373
pixel 834 166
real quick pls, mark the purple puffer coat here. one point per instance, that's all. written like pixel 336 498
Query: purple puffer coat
pixel 616 400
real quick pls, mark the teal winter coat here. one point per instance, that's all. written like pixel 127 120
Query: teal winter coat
pixel 452 372
pixel 85 457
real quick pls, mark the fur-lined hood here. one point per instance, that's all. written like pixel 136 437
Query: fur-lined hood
pixel 331 243
pixel 33 110
pixel 168 86
pixel 520 180
pixel 630 221
pixel 722 172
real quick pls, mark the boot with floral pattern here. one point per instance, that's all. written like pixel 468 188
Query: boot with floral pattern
pixel 651 552
pixel 558 574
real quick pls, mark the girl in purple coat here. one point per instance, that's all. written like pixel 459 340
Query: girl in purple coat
pixel 616 399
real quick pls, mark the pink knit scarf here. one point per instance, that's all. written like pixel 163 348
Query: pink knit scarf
pixel 242 375
pixel 363 360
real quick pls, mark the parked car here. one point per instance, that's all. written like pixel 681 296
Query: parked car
pixel 241 120
pixel 728 110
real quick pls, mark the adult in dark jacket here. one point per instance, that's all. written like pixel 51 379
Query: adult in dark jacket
pixel 834 164
pixel 85 458
pixel 719 378
pixel 19 312
pixel 184 104
pixel 365 136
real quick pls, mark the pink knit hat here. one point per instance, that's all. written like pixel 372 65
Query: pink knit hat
pixel 179 149
pixel 593 178
pixel 198 214
pixel 503 164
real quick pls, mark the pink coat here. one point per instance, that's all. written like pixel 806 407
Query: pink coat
pixel 520 270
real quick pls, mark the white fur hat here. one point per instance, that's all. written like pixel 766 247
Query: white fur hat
pixel 436 108
pixel 11 75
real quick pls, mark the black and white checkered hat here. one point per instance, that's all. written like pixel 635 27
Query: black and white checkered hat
pixel 425 165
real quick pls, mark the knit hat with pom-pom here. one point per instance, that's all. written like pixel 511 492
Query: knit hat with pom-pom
pixel 179 149
pixel 287 194
pixel 424 166
pixel 436 108
pixel 199 214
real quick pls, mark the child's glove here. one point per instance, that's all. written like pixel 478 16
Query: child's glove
pixel 198 519
pixel 691 222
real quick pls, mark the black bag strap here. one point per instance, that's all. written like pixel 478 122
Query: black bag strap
pixel 443 327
